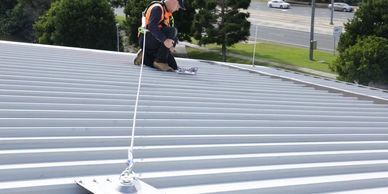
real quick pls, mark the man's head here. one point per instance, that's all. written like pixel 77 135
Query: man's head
pixel 174 5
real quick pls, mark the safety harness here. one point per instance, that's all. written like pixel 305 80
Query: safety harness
pixel 167 19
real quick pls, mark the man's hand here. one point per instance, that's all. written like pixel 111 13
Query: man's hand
pixel 168 43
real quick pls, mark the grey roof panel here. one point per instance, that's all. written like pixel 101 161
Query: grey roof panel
pixel 66 113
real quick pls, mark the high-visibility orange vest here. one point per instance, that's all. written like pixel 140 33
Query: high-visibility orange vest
pixel 166 19
pixel 166 16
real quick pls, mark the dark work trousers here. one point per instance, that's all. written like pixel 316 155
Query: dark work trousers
pixel 156 51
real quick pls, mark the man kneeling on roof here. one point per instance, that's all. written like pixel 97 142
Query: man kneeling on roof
pixel 161 36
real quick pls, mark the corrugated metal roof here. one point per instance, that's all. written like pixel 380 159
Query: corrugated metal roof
pixel 66 113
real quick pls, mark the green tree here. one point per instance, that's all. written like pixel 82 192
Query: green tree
pixel 222 22
pixel 184 21
pixel 371 19
pixel 364 62
pixel 117 3
pixel 133 12
pixel 78 23
pixel 360 57
pixel 17 17
pixel 6 7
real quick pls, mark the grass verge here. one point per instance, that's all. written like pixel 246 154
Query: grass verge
pixel 194 53
pixel 279 53
pixel 120 19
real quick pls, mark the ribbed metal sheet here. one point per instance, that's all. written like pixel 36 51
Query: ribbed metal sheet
pixel 66 113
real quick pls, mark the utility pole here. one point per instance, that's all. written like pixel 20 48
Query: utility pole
pixel 312 42
pixel 332 12
pixel 118 37
pixel 254 48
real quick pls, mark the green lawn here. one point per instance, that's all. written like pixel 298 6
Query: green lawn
pixel 200 54
pixel 283 54
pixel 120 19
pixel 289 55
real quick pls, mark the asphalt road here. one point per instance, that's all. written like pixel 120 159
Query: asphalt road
pixel 291 37
pixel 288 35
pixel 303 11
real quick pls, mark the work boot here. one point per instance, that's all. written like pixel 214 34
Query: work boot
pixel 139 57
pixel 162 66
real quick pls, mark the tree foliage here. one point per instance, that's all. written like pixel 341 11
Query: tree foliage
pixel 361 47
pixel 364 62
pixel 17 17
pixel 371 19
pixel 78 23
pixel 117 3
pixel 183 21
pixel 133 12
pixel 221 21
pixel 6 7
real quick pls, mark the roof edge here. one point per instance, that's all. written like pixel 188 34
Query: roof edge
pixel 61 47
pixel 376 99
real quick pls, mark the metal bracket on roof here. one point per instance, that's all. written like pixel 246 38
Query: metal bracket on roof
pixel 126 183
pixel 110 186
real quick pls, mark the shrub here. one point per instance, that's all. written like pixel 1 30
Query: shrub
pixel 365 62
